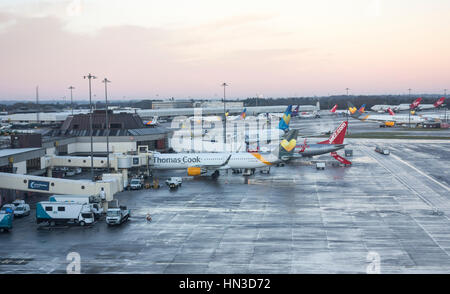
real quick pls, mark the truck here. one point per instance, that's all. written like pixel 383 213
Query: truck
pixel 94 201
pixel 117 215
pixel 135 184
pixel 5 221
pixel 61 213
pixel 320 165
pixel 21 208
pixel 8 208
pixel 174 182
pixel 382 150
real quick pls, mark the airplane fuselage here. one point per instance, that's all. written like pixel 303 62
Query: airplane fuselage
pixel 210 160
pixel 317 149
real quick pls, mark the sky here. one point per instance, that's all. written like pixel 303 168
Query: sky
pixel 187 49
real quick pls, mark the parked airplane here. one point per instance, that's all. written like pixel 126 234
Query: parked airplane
pixel 152 122
pixel 295 111
pixel 334 143
pixel 387 120
pixel 334 110
pixel 198 164
pixel 397 108
pixel 436 104
pixel 277 115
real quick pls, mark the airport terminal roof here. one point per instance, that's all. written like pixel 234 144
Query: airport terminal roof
pixel 9 152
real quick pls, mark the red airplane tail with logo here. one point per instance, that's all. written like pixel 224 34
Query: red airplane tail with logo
pixel 390 111
pixel 439 102
pixel 415 103
pixel 337 137
pixel 333 110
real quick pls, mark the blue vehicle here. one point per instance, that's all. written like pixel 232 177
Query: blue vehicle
pixel 5 221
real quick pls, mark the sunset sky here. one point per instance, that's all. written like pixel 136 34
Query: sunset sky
pixel 187 48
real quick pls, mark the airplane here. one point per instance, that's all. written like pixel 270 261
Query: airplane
pixel 334 143
pixel 153 122
pixel 436 104
pixel 387 120
pixel 275 115
pixel 295 111
pixel 242 116
pixel 335 111
pixel 381 107
pixel 253 135
pixel 198 164
pixel 396 108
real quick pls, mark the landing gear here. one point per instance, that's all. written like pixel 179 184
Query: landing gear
pixel 215 175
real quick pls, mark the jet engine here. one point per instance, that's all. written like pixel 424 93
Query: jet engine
pixel 194 171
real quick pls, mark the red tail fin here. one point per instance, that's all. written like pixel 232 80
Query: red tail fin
pixel 439 102
pixel 340 158
pixel 415 103
pixel 333 110
pixel 338 135
pixel 390 111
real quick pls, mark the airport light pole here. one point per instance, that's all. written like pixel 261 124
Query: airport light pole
pixel 445 109
pixel 37 104
pixel 90 77
pixel 71 97
pixel 224 85
pixel 409 113
pixel 348 113
pixel 106 81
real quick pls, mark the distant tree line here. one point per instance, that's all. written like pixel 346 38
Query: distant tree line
pixel 325 102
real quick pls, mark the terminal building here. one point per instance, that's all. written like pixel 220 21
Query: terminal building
pixel 126 133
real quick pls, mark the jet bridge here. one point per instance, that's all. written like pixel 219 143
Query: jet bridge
pixel 110 184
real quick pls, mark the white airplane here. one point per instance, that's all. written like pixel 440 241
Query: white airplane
pixel 198 164
pixel 152 122
pixel 387 119
pixel 436 104
pixel 382 107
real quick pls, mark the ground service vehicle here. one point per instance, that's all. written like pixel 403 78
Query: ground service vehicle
pixel 382 150
pixel 94 201
pixel 5 221
pixel 21 208
pixel 117 215
pixel 174 182
pixel 56 213
pixel 320 165
pixel 8 208
pixel 136 184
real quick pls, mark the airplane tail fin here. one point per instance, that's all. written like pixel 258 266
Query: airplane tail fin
pixel 244 113
pixel 337 137
pixel 353 110
pixel 287 145
pixel 333 110
pixel 439 102
pixel 390 111
pixel 415 103
pixel 362 108
pixel 284 122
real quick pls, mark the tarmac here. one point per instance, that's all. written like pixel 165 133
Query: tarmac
pixel 385 213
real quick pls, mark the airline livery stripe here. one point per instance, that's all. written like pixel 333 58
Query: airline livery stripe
pixel 260 158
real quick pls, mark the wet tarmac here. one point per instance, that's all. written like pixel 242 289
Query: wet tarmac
pixel 295 220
